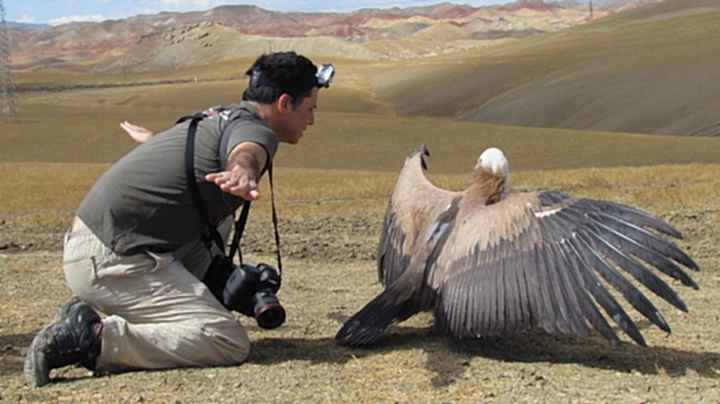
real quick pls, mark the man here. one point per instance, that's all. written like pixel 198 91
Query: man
pixel 136 250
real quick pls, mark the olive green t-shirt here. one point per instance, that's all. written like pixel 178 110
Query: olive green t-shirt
pixel 143 203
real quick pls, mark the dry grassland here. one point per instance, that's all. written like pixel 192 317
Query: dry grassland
pixel 332 190
pixel 326 283
pixel 56 78
pixel 353 131
pixel 31 188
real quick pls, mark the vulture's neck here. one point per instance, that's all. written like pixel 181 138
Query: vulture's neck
pixel 486 188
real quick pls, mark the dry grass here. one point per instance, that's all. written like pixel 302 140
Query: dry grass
pixel 57 77
pixel 352 132
pixel 300 361
pixel 38 191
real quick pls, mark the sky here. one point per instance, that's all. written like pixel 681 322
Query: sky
pixel 61 11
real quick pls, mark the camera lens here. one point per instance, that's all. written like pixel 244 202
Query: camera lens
pixel 269 314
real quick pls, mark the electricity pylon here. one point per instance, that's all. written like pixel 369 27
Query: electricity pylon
pixel 8 106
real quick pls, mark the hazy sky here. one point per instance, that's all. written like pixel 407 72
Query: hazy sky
pixel 60 11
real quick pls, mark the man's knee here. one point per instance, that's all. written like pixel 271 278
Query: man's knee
pixel 229 341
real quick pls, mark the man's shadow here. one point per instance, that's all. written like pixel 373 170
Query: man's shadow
pixel 448 359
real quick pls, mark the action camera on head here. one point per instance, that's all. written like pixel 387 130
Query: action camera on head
pixel 325 75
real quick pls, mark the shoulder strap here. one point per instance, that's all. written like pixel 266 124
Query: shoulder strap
pixel 190 174
pixel 242 219
pixel 233 120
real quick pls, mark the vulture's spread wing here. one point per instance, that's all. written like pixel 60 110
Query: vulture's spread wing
pixel 414 206
pixel 417 216
pixel 404 296
pixel 543 260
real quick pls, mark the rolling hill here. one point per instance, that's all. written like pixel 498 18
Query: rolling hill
pixel 655 69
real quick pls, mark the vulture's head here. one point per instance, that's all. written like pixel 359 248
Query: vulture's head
pixel 492 172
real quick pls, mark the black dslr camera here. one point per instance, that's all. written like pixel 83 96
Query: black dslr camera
pixel 251 290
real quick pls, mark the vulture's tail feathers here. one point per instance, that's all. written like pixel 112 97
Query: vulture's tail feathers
pixel 368 325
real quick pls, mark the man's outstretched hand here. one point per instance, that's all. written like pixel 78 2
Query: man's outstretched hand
pixel 243 171
pixel 236 181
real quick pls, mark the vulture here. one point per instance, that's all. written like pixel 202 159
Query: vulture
pixel 494 263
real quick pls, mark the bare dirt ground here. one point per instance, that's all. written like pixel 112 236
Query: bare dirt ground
pixel 330 273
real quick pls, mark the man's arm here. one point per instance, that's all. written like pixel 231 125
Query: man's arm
pixel 242 174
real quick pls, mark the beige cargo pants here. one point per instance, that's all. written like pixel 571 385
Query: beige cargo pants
pixel 159 315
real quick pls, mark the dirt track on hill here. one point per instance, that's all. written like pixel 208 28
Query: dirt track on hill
pixel 330 273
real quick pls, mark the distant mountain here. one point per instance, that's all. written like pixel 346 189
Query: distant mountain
pixel 25 25
pixel 172 39
pixel 166 39
pixel 612 5
pixel 623 5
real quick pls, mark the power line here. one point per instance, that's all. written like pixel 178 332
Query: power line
pixel 8 105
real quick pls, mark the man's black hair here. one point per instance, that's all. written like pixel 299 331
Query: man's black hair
pixel 276 73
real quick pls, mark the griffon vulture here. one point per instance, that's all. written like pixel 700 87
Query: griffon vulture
pixel 493 263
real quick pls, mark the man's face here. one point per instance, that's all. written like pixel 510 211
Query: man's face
pixel 296 119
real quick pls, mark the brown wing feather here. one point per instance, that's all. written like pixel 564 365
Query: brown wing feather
pixel 537 260
pixel 414 205
pixel 416 220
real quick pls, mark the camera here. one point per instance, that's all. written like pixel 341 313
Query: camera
pixel 251 290
pixel 324 75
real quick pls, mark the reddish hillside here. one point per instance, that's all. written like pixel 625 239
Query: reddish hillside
pixel 103 45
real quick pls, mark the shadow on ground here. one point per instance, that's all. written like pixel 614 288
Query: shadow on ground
pixel 449 359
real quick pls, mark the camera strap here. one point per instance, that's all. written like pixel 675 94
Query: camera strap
pixel 238 233
pixel 244 213
pixel 275 220
pixel 242 220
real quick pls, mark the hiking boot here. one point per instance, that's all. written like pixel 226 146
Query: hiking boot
pixel 73 339
pixel 63 310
